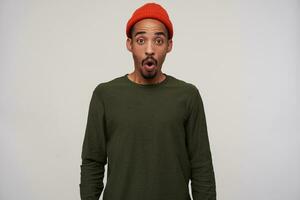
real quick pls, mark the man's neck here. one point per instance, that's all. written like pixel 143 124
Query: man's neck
pixel 135 77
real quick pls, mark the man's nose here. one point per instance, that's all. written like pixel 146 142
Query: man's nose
pixel 149 49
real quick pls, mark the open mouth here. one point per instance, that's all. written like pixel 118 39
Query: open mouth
pixel 149 64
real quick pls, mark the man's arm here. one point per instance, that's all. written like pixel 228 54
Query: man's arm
pixel 202 177
pixel 93 154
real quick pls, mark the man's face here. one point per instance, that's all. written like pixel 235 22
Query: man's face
pixel 149 45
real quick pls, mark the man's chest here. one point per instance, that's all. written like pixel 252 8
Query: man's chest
pixel 144 111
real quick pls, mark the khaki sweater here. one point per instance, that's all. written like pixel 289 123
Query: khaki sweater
pixel 153 138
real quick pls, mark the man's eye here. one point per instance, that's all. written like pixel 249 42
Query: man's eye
pixel 140 41
pixel 159 41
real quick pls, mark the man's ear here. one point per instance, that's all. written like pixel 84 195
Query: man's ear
pixel 170 45
pixel 129 44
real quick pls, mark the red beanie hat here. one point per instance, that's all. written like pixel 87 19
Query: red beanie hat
pixel 153 11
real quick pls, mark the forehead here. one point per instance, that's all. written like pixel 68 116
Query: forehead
pixel 150 25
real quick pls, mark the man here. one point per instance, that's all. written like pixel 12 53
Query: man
pixel 148 126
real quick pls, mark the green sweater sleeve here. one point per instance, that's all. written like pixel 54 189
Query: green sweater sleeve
pixel 93 155
pixel 202 172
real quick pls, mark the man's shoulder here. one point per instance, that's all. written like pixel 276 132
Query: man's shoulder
pixel 104 85
pixel 183 84
pixel 118 82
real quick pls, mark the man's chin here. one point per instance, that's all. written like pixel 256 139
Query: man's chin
pixel 149 74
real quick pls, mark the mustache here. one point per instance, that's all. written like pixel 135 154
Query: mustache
pixel 150 58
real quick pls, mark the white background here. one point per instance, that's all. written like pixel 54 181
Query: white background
pixel 242 55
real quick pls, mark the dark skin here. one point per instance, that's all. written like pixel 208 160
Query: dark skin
pixel 150 40
pixel 132 32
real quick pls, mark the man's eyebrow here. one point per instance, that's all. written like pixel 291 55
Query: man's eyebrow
pixel 140 32
pixel 143 32
pixel 160 33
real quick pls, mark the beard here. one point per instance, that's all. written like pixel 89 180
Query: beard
pixel 148 75
pixel 140 65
